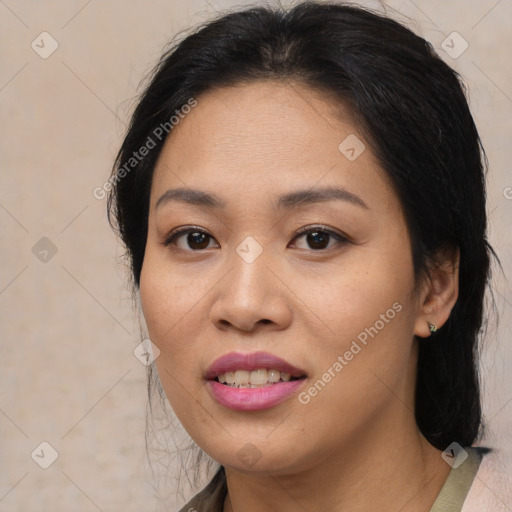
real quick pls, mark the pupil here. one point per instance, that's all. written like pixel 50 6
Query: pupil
pixel 200 239
pixel 318 239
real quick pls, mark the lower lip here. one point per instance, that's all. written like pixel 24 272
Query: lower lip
pixel 253 399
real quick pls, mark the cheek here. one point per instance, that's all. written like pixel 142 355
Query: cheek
pixel 343 300
pixel 164 305
pixel 167 296
pixel 173 304
pixel 360 346
pixel 369 340
pixel 166 302
pixel 154 300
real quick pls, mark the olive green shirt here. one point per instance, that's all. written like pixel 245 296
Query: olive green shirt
pixel 450 499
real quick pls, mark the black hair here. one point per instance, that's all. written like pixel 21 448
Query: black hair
pixel 410 106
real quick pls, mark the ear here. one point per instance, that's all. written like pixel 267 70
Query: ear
pixel 438 292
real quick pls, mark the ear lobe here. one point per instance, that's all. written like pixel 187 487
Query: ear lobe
pixel 439 293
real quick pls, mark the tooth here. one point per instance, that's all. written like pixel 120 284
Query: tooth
pixel 241 377
pixel 258 376
pixel 254 378
pixel 274 375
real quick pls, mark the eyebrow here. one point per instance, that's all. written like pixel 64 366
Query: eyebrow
pixel 286 201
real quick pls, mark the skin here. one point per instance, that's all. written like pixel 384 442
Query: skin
pixel 356 443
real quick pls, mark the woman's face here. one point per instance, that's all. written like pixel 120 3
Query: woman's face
pixel 297 260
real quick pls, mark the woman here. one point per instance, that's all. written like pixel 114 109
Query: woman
pixel 302 198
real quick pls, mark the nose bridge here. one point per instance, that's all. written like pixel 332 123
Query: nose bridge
pixel 251 294
pixel 249 263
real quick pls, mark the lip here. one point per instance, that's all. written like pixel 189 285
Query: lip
pixel 252 361
pixel 252 399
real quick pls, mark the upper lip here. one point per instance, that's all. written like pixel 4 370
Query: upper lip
pixel 252 361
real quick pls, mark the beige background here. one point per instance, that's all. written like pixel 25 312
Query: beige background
pixel 68 374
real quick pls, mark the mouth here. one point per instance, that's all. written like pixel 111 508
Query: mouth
pixel 259 378
pixel 253 381
pixel 253 369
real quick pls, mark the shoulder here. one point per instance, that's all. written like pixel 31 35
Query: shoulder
pixel 491 490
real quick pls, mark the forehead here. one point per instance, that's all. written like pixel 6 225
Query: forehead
pixel 264 136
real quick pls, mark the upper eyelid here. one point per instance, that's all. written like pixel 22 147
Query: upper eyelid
pixel 320 227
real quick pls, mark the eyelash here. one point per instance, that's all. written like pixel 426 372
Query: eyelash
pixel 340 239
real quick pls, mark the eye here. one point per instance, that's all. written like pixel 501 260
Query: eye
pixel 319 237
pixel 196 239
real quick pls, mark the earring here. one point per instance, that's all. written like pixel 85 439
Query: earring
pixel 432 328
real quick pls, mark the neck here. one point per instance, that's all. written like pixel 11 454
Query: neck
pixel 396 470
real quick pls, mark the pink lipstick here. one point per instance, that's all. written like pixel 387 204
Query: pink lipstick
pixel 231 380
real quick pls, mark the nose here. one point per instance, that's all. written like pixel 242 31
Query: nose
pixel 251 297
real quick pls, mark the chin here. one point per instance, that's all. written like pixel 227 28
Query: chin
pixel 257 457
